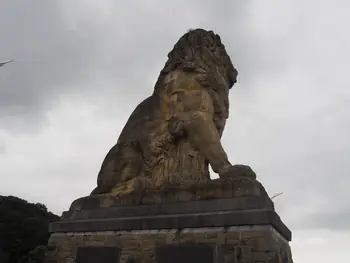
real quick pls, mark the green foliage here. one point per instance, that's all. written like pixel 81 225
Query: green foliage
pixel 23 230
pixel 36 255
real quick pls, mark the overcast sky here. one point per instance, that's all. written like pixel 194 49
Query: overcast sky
pixel 80 69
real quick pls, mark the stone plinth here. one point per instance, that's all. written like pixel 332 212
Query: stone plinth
pixel 236 244
pixel 231 222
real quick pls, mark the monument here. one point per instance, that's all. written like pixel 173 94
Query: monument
pixel 154 201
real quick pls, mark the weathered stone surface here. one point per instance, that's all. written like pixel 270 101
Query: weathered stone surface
pixel 100 254
pixel 176 221
pixel 174 134
pixel 247 204
pixel 214 189
pixel 214 206
pixel 240 244
pixel 185 253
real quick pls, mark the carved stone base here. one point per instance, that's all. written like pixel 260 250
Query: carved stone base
pixel 209 190
pixel 218 221
pixel 236 244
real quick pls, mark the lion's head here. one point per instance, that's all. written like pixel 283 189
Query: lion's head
pixel 200 51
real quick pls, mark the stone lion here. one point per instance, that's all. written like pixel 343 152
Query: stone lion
pixel 174 134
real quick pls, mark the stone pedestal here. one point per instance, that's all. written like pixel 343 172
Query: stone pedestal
pixel 219 222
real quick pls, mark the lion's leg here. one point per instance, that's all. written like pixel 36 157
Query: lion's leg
pixel 204 136
pixel 122 163
pixel 106 178
pixel 194 108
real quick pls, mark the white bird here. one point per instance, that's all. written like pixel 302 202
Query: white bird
pixel 4 63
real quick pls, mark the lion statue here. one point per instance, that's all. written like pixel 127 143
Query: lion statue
pixel 174 134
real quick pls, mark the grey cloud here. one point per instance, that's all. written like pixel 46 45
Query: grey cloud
pixel 326 185
pixel 58 50
pixel 330 219
pixel 2 148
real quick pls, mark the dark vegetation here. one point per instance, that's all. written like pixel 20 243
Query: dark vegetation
pixel 23 230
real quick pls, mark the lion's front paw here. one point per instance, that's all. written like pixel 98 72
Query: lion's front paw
pixel 239 171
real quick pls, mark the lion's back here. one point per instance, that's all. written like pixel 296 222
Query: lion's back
pixel 140 120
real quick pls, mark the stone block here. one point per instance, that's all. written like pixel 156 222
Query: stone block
pixel 144 246
pixel 233 230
